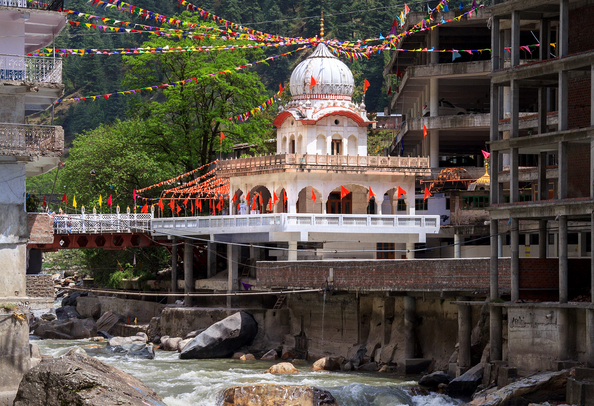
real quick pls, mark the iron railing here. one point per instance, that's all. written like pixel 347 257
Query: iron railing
pixel 102 223
pixel 31 140
pixel 14 3
pixel 30 68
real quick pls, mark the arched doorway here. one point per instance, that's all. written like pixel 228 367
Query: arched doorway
pixel 260 199
pixel 336 205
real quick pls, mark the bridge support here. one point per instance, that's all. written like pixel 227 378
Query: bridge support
pixel 189 281
pixel 211 259
pixel 232 268
pixel 174 269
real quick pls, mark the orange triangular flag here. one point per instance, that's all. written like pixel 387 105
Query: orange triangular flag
pixel 343 192
pixel 427 194
pixel 144 209
pixel 285 198
pixel 178 208
pixel 424 130
pixel 254 207
pixel 401 192
pixel 199 204
pixel 312 83
pixel 186 202
pixel 313 196
pixel 274 197
pixel 172 204
pixel 192 208
pixel 219 207
pixel 235 197
pixel 365 85
pixel 222 137
pixel 160 204
pixel 371 194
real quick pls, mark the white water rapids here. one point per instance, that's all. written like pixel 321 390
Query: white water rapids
pixel 199 382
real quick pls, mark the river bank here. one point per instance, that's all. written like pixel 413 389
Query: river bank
pixel 199 382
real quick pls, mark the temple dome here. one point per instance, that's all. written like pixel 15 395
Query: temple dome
pixel 332 76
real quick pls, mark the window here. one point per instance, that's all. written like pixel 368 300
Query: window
pixel 521 198
pixel 401 205
pixel 534 240
pixel 447 203
pixel 573 238
pixel 385 250
pixel 336 147
pixel 421 204
pixel 475 202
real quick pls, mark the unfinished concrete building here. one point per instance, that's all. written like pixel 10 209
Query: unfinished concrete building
pixel 549 321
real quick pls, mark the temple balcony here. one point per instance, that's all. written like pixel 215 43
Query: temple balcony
pixel 323 163
pixel 39 145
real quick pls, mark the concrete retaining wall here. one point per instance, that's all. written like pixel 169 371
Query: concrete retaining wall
pixel 127 308
pixel 40 286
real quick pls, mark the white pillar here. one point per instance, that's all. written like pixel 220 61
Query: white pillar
pixel 435 45
pixel 233 271
pixel 434 112
pixel 292 250
pixel 410 253
pixel 324 202
pixel 457 246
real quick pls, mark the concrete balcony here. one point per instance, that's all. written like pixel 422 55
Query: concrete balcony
pixel 39 69
pixel 321 163
pixel 39 145
pixel 297 227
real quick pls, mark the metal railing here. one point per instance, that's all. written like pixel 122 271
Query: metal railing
pixel 14 3
pixel 33 140
pixel 330 160
pixel 42 69
pixel 102 223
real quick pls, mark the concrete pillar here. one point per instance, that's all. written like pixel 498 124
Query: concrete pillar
pixel 563 288
pixel 592 168
pixel 592 256
pixel 435 45
pixel 562 100
pixel 515 259
pixel 542 238
pixel 515 109
pixel 174 266
pixel 562 165
pixel 591 105
pixel 494 101
pixel 189 282
pixel 434 148
pixel 495 333
pixel 582 244
pixel 563 334
pixel 544 39
pixel 409 327
pixel 494 262
pixel 434 112
pixel 590 338
pixel 563 43
pixel 500 246
pixel 233 272
pixel 211 259
pixel 292 250
pixel 457 246
pixel 494 173
pixel 464 331
pixel 514 186
pixel 543 192
pixel 378 206
pixel 495 51
pixel 324 207
pixel 542 110
pixel 515 38
pixel 410 253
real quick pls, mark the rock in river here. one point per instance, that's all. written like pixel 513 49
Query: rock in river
pixel 77 379
pixel 282 368
pixel 272 395
pixel 223 338
pixel 71 329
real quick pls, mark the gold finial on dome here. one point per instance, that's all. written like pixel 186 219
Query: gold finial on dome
pixel 322 26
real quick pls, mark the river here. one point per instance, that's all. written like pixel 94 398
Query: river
pixel 199 382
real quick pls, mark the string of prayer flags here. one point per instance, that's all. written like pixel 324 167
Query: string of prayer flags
pixel 172 180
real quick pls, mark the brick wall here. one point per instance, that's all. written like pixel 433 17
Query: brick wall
pixel 41 228
pixel 578 170
pixel 581 37
pixel 385 275
pixel 40 286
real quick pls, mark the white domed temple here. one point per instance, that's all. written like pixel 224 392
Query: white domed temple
pixel 294 196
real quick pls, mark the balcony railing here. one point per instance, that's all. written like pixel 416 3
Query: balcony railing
pixel 102 223
pixel 53 5
pixel 14 3
pixel 31 140
pixel 326 160
pixel 30 68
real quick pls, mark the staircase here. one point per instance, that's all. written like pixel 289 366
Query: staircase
pixel 280 300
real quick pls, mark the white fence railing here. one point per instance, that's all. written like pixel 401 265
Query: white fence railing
pixel 284 222
pixel 333 160
pixel 102 223
pixel 30 68
pixel 31 139
pixel 14 3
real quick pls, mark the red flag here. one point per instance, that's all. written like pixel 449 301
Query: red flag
pixel 365 85
pixel 371 194
pixel 222 137
pixel 44 203
pixel 399 73
pixel 235 197
pixel 109 201
pixel 312 83
pixel 144 208
pixel 192 207
pixel 160 204
pixel 172 204
pixel 261 204
pixel 285 198
pixel 238 206
pixel 65 200
pixel 186 202
pixel 486 154
pixel 424 130
pixel 281 88
pixel 248 199
pixel 313 196
pixel 390 90
pixel 406 9
pixel 401 192
pixel 254 207
pixel 219 206
pixel 427 194
pixel 343 192
pixel 274 197
pixel 199 204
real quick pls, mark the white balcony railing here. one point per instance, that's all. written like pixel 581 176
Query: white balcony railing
pixel 302 222
pixel 102 223
pixel 21 68
pixel 14 3
pixel 325 160
pixel 31 140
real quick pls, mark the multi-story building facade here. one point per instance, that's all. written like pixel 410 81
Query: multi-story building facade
pixel 27 84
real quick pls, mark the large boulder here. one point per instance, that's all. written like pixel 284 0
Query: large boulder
pixel 434 379
pixel 272 395
pixel 282 368
pixel 78 379
pixel 71 329
pixel 223 338
pixel 115 341
pixel 136 350
pixel 71 300
pixel 67 312
pixel 107 321
pixel 537 388
pixel 270 355
pixel 170 343
pixel 466 384
pixel 326 364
